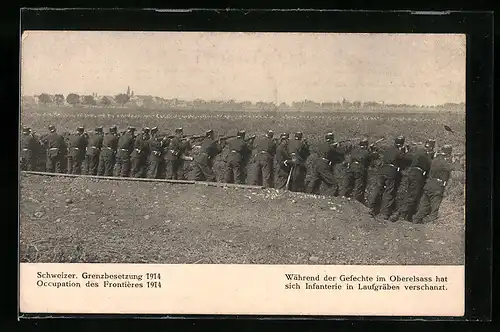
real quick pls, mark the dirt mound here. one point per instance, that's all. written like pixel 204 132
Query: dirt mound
pixel 106 221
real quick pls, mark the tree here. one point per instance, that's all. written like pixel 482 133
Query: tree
pixel 122 98
pixel 105 101
pixel 59 99
pixel 44 98
pixel 89 100
pixel 73 99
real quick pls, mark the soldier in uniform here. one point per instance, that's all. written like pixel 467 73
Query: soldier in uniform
pixel 156 162
pixel 124 149
pixel 56 150
pixel 299 151
pixel 439 175
pixel 94 146
pixel 388 179
pixel 263 168
pixel 356 175
pixel 140 153
pixel 76 156
pixel 233 170
pixel 176 149
pixel 108 152
pixel 203 163
pixel 28 148
pixel 283 160
pixel 417 174
pixel 323 167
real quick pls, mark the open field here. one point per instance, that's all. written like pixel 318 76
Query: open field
pixel 188 224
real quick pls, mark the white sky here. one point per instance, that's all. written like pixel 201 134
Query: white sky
pixel 412 69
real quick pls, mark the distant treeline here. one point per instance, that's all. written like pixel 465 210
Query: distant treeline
pixel 150 102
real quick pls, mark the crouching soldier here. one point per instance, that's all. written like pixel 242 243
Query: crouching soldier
pixel 323 167
pixel 56 150
pixel 108 152
pixel 439 175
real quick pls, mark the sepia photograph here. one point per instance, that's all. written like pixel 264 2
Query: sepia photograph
pixel 242 148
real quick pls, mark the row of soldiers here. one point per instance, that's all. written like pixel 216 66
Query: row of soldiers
pixel 154 155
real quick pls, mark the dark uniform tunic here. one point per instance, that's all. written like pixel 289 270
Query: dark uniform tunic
pixel 299 151
pixel 94 146
pixel 107 156
pixel 355 178
pixel 28 148
pixel 139 155
pixel 323 169
pixel 125 147
pixel 262 172
pixel 388 180
pixel 176 149
pixel 233 170
pixel 439 174
pixel 76 154
pixel 56 150
pixel 156 157
pixel 203 163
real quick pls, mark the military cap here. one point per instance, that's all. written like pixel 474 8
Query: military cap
pixel 154 129
pixel 80 128
pixel 96 129
pixel 329 136
pixel 430 143
pixel 52 127
pixel 270 133
pixel 241 133
pixel 400 140
pixel 100 128
pixel 284 136
pixel 298 135
pixel 146 129
pixel 209 132
pixel 178 130
pixel 26 129
pixel 131 128
pixel 363 142
pixel 446 149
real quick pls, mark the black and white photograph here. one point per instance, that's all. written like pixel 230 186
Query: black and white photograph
pixel 242 148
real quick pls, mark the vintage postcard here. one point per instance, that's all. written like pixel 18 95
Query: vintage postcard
pixel 242 173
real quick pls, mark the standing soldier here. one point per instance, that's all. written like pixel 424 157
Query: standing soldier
pixel 156 162
pixel 176 150
pixel 238 147
pixel 299 151
pixel 108 152
pixel 386 188
pixel 77 144
pixel 94 146
pixel 28 147
pixel 323 169
pixel 203 163
pixel 139 154
pixel 355 178
pixel 125 147
pixel 263 170
pixel 439 175
pixel 283 160
pixel 56 149
pixel 417 174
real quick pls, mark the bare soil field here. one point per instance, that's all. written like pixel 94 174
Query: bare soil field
pixel 106 221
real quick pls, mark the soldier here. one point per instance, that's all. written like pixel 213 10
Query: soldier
pixel 202 167
pixel 124 149
pixel 263 167
pixel 386 188
pixel 77 144
pixel 439 175
pixel 28 148
pixel 108 152
pixel 322 169
pixel 355 178
pixel 417 174
pixel 233 170
pixel 140 153
pixel 56 149
pixel 94 146
pixel 283 160
pixel 156 162
pixel 299 151
pixel 176 150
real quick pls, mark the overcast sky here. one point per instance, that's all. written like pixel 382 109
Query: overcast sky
pixel 412 69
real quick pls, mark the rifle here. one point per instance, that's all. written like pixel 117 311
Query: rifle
pixel 223 138
pixel 289 177
pixel 187 137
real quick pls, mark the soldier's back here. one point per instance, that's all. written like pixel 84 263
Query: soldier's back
pixel 54 140
pixel 420 158
pixel 110 141
pixel 440 169
pixel 264 143
pixel 236 144
pixel 125 142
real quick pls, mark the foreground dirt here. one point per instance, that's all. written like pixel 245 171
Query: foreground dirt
pixel 98 221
